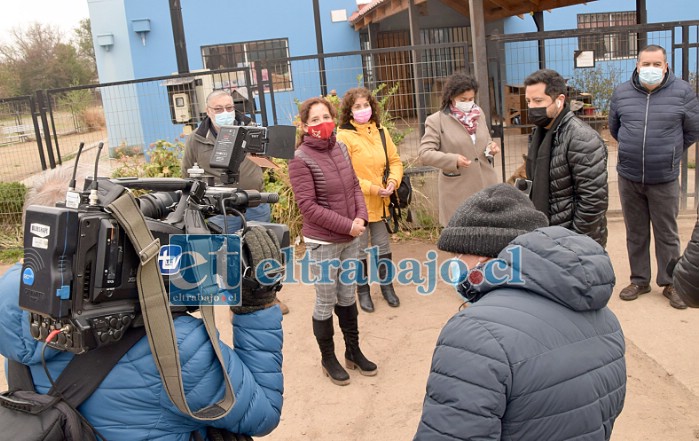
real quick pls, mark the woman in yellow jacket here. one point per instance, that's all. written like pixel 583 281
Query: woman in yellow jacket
pixel 359 130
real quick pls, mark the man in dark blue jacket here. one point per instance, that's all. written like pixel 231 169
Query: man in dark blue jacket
pixel 655 117
pixel 538 355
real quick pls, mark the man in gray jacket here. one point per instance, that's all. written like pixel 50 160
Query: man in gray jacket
pixel 655 117
pixel 537 355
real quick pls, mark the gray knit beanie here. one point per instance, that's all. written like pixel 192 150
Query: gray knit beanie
pixel 489 220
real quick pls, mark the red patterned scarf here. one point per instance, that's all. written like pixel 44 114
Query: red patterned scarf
pixel 468 120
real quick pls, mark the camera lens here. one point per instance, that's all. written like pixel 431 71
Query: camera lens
pixel 159 204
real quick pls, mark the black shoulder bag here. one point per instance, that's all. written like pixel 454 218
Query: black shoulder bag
pixel 26 414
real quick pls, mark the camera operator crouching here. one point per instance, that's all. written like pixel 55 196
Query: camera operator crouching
pixel 131 402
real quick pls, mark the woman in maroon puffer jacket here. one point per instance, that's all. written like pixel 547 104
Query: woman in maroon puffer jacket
pixel 334 215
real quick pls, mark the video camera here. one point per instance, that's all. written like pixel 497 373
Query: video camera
pixel 80 268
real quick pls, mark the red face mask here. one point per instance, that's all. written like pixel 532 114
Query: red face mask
pixel 323 130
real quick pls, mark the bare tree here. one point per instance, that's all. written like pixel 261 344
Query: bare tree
pixel 37 58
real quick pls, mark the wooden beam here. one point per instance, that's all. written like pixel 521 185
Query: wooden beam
pixel 505 6
pixel 492 9
pixel 480 55
pixel 458 6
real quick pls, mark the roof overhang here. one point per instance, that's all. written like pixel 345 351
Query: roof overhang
pixel 378 10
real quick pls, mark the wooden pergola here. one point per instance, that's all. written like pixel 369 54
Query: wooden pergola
pixel 378 10
pixel 478 12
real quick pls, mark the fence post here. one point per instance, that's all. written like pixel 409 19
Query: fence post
pixel 53 129
pixel 261 92
pixel 37 133
pixel 41 104
pixel 418 83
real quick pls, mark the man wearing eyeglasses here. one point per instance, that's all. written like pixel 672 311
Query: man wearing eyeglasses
pixel 220 111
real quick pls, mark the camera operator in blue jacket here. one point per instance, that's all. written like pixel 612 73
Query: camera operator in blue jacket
pixel 131 403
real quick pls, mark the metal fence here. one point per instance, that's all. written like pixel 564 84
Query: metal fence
pixel 594 61
pixel 45 129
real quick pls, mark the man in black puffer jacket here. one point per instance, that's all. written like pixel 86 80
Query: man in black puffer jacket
pixel 538 355
pixel 655 117
pixel 566 161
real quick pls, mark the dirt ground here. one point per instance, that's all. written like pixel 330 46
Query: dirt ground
pixel 662 400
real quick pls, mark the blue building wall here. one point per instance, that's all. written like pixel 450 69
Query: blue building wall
pixel 208 22
pixel 139 115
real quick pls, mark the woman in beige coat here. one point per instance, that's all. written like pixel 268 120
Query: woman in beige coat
pixel 457 141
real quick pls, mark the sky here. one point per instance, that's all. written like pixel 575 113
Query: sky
pixel 65 14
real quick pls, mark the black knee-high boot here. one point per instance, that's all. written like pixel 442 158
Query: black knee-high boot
pixel 323 330
pixel 364 292
pixel 387 287
pixel 354 359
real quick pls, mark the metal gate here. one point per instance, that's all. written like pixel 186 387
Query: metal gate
pixel 594 61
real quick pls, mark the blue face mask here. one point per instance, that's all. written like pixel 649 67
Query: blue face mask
pixel 650 75
pixel 224 118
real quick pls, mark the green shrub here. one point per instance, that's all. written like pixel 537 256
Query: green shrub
pixel 165 161
pixel 12 195
pixel 286 211
pixel 599 83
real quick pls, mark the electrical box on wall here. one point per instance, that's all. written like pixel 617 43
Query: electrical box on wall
pixel 181 108
pixel 187 95
pixel 184 103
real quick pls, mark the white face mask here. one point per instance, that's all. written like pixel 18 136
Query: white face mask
pixel 465 106
pixel 224 118
pixel 650 75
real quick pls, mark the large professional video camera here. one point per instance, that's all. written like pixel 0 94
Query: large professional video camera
pixel 80 267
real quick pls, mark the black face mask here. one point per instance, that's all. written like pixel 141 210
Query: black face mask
pixel 538 116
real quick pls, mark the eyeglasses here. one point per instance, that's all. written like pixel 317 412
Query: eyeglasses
pixel 221 109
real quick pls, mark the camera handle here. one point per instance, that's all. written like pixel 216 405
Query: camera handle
pixel 157 317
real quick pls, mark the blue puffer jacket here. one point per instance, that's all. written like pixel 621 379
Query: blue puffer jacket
pixel 653 128
pixel 131 404
pixel 539 360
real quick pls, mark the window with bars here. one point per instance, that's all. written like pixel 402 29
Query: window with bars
pixel 443 62
pixel 245 54
pixel 608 46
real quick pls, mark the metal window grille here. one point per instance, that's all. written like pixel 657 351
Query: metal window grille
pixel 608 46
pixel 245 54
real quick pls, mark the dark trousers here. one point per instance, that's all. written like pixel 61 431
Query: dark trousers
pixel 643 206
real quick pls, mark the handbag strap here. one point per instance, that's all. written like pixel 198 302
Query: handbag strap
pixel 83 374
pixel 392 215
pixel 157 316
pixel 386 170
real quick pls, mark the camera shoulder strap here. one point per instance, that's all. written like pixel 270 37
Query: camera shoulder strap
pixel 157 316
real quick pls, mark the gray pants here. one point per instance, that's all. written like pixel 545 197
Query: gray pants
pixel 329 289
pixel 645 205
pixel 379 238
